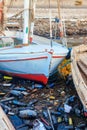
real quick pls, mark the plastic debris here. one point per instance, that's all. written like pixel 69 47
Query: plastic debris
pixel 7 84
pixel 15 102
pixel 7 78
pixel 28 114
pixel 16 93
pixel 32 102
pixel 54 120
pixel 67 108
pixel 38 125
pixel 52 97
pixel 5 107
pixel 51 85
pixel 59 120
pixel 20 89
pixel 38 86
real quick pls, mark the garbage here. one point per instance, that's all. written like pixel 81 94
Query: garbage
pixel 50 118
pixel 60 120
pixel 20 89
pixel 63 93
pixel 16 93
pixel 17 122
pixel 44 121
pixel 7 84
pixel 52 97
pixel 54 120
pixel 77 112
pixel 15 102
pixel 32 102
pixel 38 125
pixel 54 108
pixel 67 108
pixel 45 113
pixel 70 121
pixel 61 126
pixel 5 107
pixel 56 113
pixel 70 99
pixel 48 127
pixel 51 85
pixel 66 119
pixel 30 114
pixel 7 78
pixel 2 94
pixel 7 99
pixel 38 86
pixel 81 125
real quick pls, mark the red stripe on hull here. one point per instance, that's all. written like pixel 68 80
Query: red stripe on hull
pixel 35 77
pixel 58 56
pixel 44 57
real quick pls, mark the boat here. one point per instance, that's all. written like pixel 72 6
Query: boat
pixel 79 72
pixel 35 59
pixel 5 123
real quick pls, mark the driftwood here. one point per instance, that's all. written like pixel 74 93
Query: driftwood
pixel 79 72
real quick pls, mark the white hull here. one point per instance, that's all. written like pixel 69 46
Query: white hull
pixel 35 61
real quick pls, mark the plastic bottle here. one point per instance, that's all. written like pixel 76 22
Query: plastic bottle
pixel 38 125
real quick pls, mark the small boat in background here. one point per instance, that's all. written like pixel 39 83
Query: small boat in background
pixel 79 72
pixel 34 60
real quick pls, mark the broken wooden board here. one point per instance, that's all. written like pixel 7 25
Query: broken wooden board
pixel 5 123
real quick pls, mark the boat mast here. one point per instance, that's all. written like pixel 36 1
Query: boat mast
pixel 29 12
pixel 26 22
pixel 32 17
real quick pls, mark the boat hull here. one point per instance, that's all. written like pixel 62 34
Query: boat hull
pixel 37 69
pixel 30 67
pixel 34 62
pixel 77 74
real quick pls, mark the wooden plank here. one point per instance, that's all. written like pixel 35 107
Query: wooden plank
pixel 5 123
pixel 83 59
pixel 82 67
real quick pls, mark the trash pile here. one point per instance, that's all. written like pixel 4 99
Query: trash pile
pixel 32 106
pixel 65 68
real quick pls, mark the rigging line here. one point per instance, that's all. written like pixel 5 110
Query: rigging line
pixel 50 23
